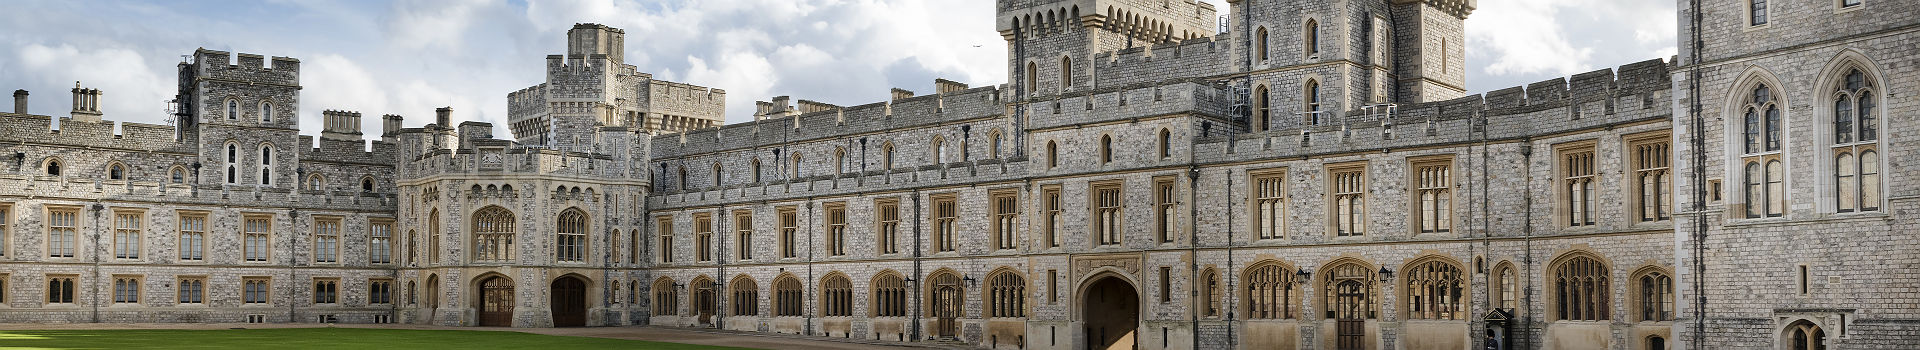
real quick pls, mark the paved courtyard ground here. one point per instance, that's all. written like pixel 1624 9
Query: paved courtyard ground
pixel 301 336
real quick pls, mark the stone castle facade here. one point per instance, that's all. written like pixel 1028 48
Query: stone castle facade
pixel 1306 175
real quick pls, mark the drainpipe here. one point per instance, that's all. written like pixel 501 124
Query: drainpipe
pixel 1193 248
pixel 293 277
pixel 1699 144
pixel 916 266
pixel 808 286
pixel 1526 324
pixel 94 288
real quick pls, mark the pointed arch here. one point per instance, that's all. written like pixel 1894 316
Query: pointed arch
pixel 1579 286
pixel 1310 38
pixel 1066 72
pixel 116 170
pixel 570 240
pixel 1262 109
pixel 51 166
pixel 1165 142
pixel 836 295
pixel 1350 289
pixel 993 144
pixel 1434 287
pixel 266 111
pixel 717 181
pixel 1504 286
pixel 1260 39
pixel 789 297
pixel 1006 293
pixel 889 293
pixel 886 155
pixel 745 293
pixel 1272 290
pixel 1853 120
pixel 493 234
pixel 316 182
pixel 938 149
pixel 1758 112
pixel 753 166
pixel 177 175
pixel 1211 292
pixel 1053 154
pixel 1310 99
pixel 265 164
pixel 666 297
pixel 1106 149
pixel 1651 293
pixel 233 108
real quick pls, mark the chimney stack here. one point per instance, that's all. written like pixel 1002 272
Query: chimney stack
pixel 944 86
pixel 899 93
pixel 390 125
pixel 340 125
pixel 443 116
pixel 86 103
pixel 20 101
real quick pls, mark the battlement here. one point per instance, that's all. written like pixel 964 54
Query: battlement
pixel 970 104
pixel 1197 57
pixel 1127 102
pixel 39 129
pixel 1637 92
pixel 249 67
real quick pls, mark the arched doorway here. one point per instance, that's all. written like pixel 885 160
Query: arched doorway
pixel 432 307
pixel 705 302
pixel 1110 309
pixel 1803 335
pixel 569 302
pixel 496 302
pixel 948 300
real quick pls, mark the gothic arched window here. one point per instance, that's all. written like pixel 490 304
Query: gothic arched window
pixel 836 298
pixel 1435 291
pixel 1580 289
pixel 571 240
pixel 1766 191
pixel 788 300
pixel 1270 291
pixel 889 295
pixel 493 234
pixel 1349 292
pixel 1856 136
pixel 1007 294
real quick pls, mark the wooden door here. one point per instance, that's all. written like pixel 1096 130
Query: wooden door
pixel 945 310
pixel 569 302
pixel 496 302
pixel 1350 315
pixel 703 299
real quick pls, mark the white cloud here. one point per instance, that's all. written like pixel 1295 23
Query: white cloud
pixel 128 86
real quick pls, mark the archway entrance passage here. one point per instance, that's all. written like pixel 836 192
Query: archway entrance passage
pixel 947 302
pixel 1111 311
pixel 569 302
pixel 705 302
pixel 433 298
pixel 496 302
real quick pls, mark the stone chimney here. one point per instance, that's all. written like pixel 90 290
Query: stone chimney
pixel 443 116
pixel 899 93
pixel 390 124
pixel 86 104
pixel 777 108
pixel 944 86
pixel 20 101
pixel 810 106
pixel 340 125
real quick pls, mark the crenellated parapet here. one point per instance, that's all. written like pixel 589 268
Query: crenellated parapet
pixel 970 104
pixel 213 64
pixel 1635 93
pixel 1200 57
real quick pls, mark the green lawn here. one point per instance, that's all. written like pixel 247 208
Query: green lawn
pixel 314 338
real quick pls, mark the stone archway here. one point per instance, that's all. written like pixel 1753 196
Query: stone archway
pixel 1110 313
pixel 569 302
pixel 496 302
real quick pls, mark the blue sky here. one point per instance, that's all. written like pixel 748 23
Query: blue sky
pixel 408 57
